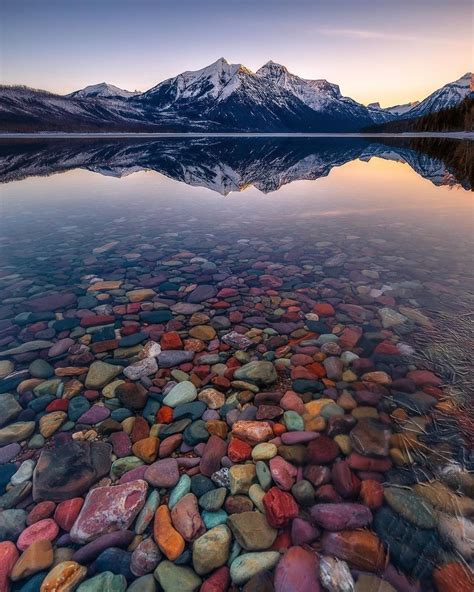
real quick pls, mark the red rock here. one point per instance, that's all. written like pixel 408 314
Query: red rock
pixel 108 509
pixel 297 571
pixel 344 480
pixel 218 582
pixel 292 402
pixel 386 348
pixel 52 302
pixel 67 512
pixel 214 450
pixel 317 475
pixel 322 450
pixel 364 463
pixel 371 493
pixel 95 320
pixel 171 340
pixel 327 494
pixel 424 378
pixel 44 529
pixel 453 577
pixel 280 507
pixel 140 430
pixel 8 557
pixel 324 309
pixel 360 548
pixel 239 450
pixel 40 512
pixel 317 369
pixel 58 405
pixel 350 337
pixel 164 415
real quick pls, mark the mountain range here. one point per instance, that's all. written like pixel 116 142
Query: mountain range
pixel 221 97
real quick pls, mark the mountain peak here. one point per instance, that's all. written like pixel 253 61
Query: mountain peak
pixel 102 89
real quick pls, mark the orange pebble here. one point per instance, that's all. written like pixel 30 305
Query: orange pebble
pixel 167 538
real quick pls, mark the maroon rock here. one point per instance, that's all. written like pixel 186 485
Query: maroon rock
pixel 280 507
pixel 327 494
pixel 297 570
pixel 163 473
pixel 121 444
pixel 215 449
pixel 364 463
pixel 217 582
pixel 107 509
pixel 186 518
pixel 317 475
pixel 323 450
pixel 370 438
pixel 52 302
pixel 303 532
pixel 145 558
pixel 336 517
pixel 344 480
pixel 89 552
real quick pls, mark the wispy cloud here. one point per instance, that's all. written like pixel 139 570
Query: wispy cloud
pixel 366 34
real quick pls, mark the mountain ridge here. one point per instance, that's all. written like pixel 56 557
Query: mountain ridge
pixel 219 97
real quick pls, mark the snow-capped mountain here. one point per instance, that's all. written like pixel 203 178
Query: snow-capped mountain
pixel 449 95
pixel 102 90
pixel 234 96
pixel 320 95
pixel 221 97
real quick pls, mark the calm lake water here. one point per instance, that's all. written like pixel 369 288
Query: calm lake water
pixel 308 248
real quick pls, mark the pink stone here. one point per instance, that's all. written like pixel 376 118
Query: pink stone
pixel 298 437
pixel 67 512
pixel 8 557
pixel 41 511
pixel 283 473
pixel 297 570
pixel 292 402
pixel 163 473
pixel 44 529
pixel 343 516
pixel 107 509
pixel 186 518
pixel 303 532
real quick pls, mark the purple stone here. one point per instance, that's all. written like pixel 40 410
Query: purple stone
pixel 95 414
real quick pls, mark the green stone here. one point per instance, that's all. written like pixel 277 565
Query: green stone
pixel 104 582
pixel 411 506
pixel 293 421
pixel 181 488
pixel 174 578
pixel 125 464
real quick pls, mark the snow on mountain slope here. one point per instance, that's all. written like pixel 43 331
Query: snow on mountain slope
pixel 102 90
pixel 449 95
pixel 320 95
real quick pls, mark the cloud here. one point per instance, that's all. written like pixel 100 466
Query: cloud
pixel 382 35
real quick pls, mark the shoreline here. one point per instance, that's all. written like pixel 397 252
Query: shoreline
pixel 125 135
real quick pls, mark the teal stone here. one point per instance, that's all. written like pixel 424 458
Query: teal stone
pixel 77 406
pixel 411 506
pixel 213 500
pixel 235 550
pixel 196 433
pixel 147 512
pixel 125 464
pixel 120 414
pixel 41 369
pixel 331 410
pixel 179 490
pixel 41 403
pixel 104 582
pixel 37 441
pixel 151 409
pixel 67 427
pixel 263 475
pixel 48 387
pixel 174 428
pixel 212 519
pixel 144 584
pixel 293 421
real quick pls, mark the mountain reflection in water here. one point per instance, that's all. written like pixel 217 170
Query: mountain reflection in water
pixel 232 164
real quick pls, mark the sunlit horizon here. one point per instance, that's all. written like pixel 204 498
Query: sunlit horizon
pixel 374 51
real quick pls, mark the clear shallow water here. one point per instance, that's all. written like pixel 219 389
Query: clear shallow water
pixel 356 226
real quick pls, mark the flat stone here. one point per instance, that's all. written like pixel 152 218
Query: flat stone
pixel 9 408
pixel 173 578
pixel 343 516
pixel 16 432
pixel 107 509
pixel 370 438
pixel 37 557
pixel 211 550
pixel 70 470
pixel 297 570
pixel 183 392
pixel 252 531
pixel 163 473
pixel 259 373
pixel 100 374
pixel 249 565
pixel 104 582
pixel 411 506
pixel 186 518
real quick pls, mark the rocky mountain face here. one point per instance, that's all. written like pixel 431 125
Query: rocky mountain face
pixel 221 97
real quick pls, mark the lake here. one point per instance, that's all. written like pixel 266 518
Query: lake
pixel 278 317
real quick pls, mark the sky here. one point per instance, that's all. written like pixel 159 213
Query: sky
pixel 391 51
